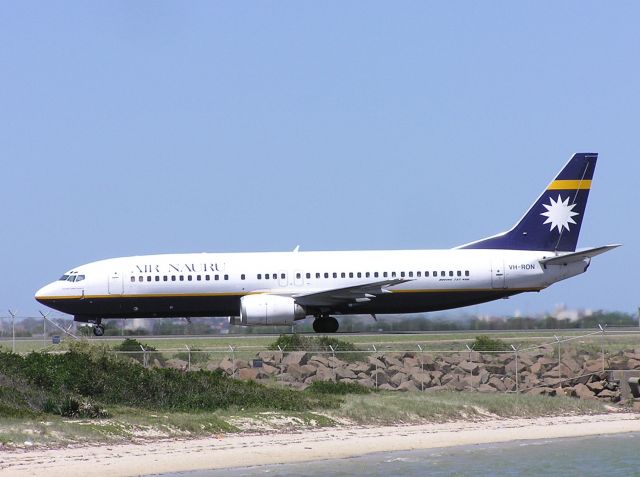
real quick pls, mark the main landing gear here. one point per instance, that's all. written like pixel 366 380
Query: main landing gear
pixel 98 329
pixel 325 324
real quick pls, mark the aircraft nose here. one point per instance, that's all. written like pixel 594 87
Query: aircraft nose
pixel 44 292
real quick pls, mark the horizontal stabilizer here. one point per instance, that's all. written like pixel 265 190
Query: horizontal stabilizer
pixel 577 256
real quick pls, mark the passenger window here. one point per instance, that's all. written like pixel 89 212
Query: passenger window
pixel 173 278
pixel 393 274
pixel 335 275
pixel 326 275
pixel 164 279
pixel 350 274
pixel 459 273
pixel 259 277
pixel 402 274
pixel 466 273
pixel 282 276
pixel 181 278
pixel 443 274
pixel 375 274
pixel 435 274
pixel 189 277
pixel 199 278
pixel 385 274
pixel 216 277
pixel 343 275
pixel 157 278
pixel 418 274
pixel 226 277
pixel 133 279
pixel 426 274
pixel 149 278
pixel 318 275
pixel 450 273
pixel 298 276
pixel 308 276
pixel 359 275
pixel 139 279
pixel 207 277
pixel 241 277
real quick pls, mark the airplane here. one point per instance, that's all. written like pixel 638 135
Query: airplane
pixel 279 288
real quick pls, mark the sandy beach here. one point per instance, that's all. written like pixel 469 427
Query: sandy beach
pixel 241 450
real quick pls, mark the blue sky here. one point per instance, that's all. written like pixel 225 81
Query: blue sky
pixel 149 127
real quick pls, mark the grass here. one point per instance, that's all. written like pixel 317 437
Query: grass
pixel 387 408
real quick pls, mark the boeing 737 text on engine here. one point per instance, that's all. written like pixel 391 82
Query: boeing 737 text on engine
pixel 264 289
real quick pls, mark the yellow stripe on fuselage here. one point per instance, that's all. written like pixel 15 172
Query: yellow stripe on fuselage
pixel 569 185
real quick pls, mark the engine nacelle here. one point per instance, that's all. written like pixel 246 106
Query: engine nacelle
pixel 264 310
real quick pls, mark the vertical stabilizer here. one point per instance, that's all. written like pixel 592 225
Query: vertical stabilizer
pixel 553 221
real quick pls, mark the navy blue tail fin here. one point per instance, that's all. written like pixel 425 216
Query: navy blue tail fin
pixel 553 221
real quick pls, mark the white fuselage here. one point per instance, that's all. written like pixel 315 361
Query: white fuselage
pixel 212 284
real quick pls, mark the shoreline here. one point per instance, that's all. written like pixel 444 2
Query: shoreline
pixel 248 450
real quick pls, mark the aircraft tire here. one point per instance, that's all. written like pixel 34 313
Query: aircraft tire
pixel 326 325
pixel 98 330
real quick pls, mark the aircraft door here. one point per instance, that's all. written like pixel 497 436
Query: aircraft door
pixel 115 283
pixel 498 276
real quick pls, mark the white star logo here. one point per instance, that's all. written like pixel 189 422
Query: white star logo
pixel 559 213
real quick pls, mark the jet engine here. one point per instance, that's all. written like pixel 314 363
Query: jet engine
pixel 261 310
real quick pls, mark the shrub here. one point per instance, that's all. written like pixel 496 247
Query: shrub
pixel 486 343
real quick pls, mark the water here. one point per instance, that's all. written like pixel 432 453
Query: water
pixel 611 456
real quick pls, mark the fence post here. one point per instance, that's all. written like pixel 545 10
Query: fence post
pixel 515 350
pixel 421 368
pixel 559 361
pixel 375 351
pixel 189 357
pixel 44 328
pixel 233 362
pixel 471 371
pixel 144 356
pixel 602 345
pixel 13 330
pixel 333 364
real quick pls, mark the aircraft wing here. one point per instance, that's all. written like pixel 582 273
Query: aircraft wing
pixel 354 294
pixel 577 256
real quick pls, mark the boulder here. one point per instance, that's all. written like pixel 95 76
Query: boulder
pixel 344 373
pixel 176 363
pixel 360 368
pixel 367 382
pixel 251 374
pixel 407 386
pixel 583 391
pixel 315 360
pixel 379 377
pixel 613 396
pixel 270 357
pixel 497 383
pixel 495 368
pixel 300 373
pixel 485 388
pixel 391 360
pixel 376 363
pixel 469 367
pixel 296 357
pixel 511 367
pixel 596 386
pixel 386 387
pixel 633 364
pixel 398 379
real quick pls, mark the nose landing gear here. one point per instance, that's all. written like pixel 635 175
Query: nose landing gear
pixel 325 324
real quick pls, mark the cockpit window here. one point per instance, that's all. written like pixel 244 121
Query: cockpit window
pixel 71 277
